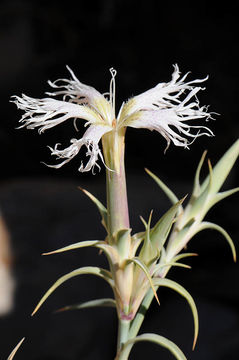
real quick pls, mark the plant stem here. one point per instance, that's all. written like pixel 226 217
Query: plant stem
pixel 123 331
pixel 118 219
pixel 139 318
pixel 117 202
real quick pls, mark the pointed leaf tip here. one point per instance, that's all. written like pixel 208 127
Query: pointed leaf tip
pixel 222 168
pixel 208 225
pixel 144 268
pixel 106 302
pixel 13 353
pixel 178 288
pixel 91 270
pixel 172 197
pixel 81 244
pixel 101 208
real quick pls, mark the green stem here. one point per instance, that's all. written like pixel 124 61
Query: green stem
pixel 118 219
pixel 123 331
pixel 139 318
pixel 117 202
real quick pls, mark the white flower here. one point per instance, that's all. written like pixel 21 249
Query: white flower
pixel 164 108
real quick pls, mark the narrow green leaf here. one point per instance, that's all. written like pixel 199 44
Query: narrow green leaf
pixel 223 167
pixel 13 353
pixel 208 225
pixel 196 189
pixel 78 245
pixel 143 267
pixel 175 286
pixel 160 231
pixel 143 221
pixel 197 205
pixel 110 251
pixel 169 264
pixel 222 195
pixel 157 339
pixel 122 240
pixel 148 253
pixel 102 273
pixel 172 197
pixel 183 255
pixel 107 302
pixel 138 236
pixel 148 226
pixel 136 240
pixel 100 206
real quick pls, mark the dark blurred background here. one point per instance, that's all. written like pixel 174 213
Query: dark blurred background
pixel 43 208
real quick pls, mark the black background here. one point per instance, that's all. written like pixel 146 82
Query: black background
pixel 43 207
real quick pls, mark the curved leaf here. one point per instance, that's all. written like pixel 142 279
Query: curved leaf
pixel 78 245
pixel 172 197
pixel 208 225
pixel 169 264
pixel 222 195
pixel 196 188
pixel 223 167
pixel 157 339
pixel 143 267
pixel 100 206
pixel 107 302
pixel 175 286
pixel 183 255
pixel 102 273
pixel 11 356
pixel 197 205
pixel 122 241
pixel 160 231
pixel 109 250
pixel 148 253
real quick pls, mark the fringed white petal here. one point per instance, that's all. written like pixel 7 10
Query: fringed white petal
pixel 166 108
pixel 162 96
pixel 90 139
pixel 47 113
pixel 166 121
pixel 76 92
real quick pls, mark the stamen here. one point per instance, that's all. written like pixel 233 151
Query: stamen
pixel 112 90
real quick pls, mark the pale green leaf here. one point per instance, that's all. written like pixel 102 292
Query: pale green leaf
pixel 143 221
pixel 208 225
pixel 197 205
pixel 144 268
pixel 100 206
pixel 122 239
pixel 148 253
pixel 196 189
pixel 222 195
pixel 157 339
pixel 109 250
pixel 175 286
pixel 107 302
pixel 160 231
pixel 78 245
pixel 136 240
pixel 102 273
pixel 158 267
pixel 13 353
pixel 172 197
pixel 183 255
pixel 222 168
